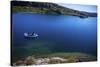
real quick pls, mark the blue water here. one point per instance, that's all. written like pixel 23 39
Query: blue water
pixel 57 33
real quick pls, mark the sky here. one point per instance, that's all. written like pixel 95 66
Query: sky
pixel 87 8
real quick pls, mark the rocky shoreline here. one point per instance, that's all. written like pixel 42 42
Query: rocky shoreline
pixel 31 60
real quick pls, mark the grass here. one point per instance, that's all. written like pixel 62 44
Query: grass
pixel 17 9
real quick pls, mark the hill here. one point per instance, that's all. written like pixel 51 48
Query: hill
pixel 47 8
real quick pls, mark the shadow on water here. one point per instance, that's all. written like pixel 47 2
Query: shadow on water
pixel 31 38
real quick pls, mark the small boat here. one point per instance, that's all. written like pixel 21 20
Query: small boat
pixel 31 35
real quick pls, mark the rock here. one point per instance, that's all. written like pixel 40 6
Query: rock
pixel 39 61
pixel 42 61
pixel 20 62
pixel 29 60
pixel 47 60
pixel 58 59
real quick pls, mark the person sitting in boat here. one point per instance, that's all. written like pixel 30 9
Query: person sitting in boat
pixel 34 34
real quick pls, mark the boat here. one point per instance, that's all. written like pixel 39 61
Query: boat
pixel 31 35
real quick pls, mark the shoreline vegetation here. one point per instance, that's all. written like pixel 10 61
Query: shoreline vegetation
pixel 47 8
pixel 55 58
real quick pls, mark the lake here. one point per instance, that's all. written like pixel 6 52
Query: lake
pixel 57 33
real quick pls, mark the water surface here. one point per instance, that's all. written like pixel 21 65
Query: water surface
pixel 57 33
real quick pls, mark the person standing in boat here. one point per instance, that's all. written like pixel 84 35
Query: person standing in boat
pixel 31 34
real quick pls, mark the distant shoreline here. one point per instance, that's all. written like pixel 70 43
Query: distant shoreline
pixel 50 8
